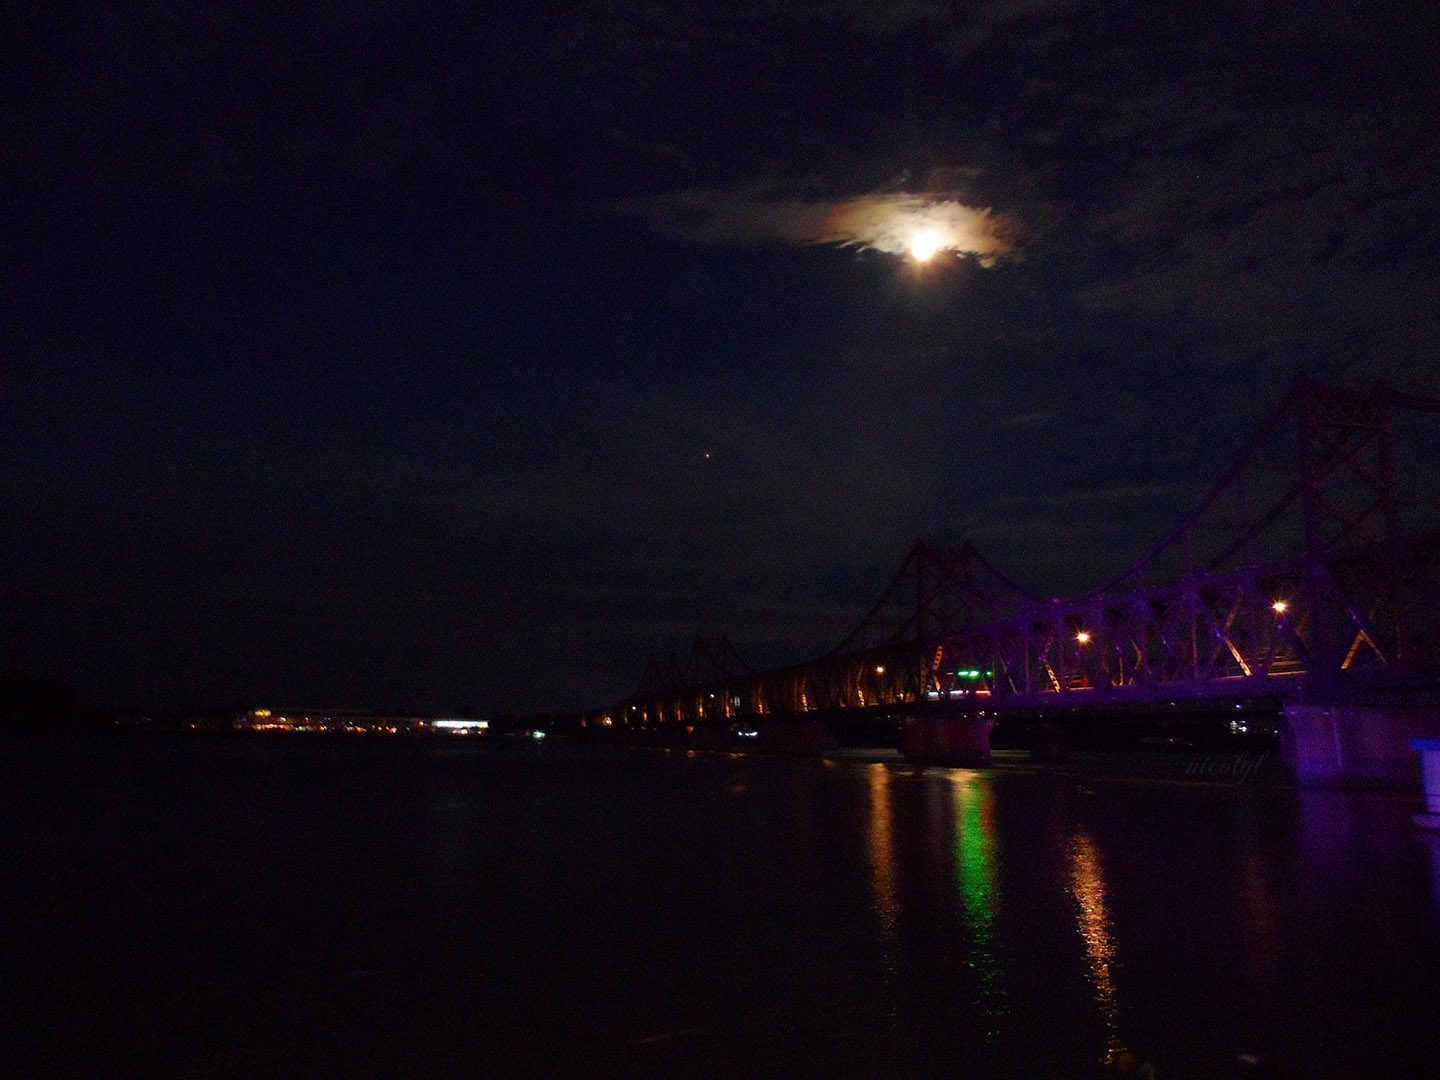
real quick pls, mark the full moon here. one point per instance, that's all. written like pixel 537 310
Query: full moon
pixel 924 243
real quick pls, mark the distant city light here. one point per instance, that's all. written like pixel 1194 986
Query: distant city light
pixel 879 669
pixel 461 725
pixel 537 734
pixel 1083 637
pixel 1280 607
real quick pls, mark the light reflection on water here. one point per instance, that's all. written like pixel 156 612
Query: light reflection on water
pixel 1018 851
pixel 976 866
pixel 698 914
pixel 880 847
pixel 1093 919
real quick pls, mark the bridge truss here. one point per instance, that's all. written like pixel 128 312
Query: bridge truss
pixel 1294 573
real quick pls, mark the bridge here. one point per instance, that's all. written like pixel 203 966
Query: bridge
pixel 1296 578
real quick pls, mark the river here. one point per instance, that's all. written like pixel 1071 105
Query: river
pixel 368 907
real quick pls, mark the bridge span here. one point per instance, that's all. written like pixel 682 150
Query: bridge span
pixel 1297 578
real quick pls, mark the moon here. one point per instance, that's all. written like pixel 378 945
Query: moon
pixel 924 243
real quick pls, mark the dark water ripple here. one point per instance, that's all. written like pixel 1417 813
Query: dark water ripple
pixel 373 908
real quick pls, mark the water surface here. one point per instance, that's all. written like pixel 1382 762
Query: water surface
pixel 292 906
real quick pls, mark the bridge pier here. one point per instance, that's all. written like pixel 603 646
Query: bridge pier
pixel 1430 772
pixel 959 739
pixel 1362 745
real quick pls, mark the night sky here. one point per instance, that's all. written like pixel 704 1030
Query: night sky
pixel 397 355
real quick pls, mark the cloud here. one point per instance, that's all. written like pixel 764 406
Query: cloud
pixel 883 222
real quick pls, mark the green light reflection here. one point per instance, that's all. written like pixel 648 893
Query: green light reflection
pixel 976 861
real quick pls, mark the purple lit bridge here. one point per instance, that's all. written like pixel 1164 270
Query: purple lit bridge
pixel 1294 579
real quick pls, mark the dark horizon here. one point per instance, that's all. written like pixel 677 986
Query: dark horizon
pixel 429 359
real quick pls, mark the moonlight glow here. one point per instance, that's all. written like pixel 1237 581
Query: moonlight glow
pixel 924 243
pixel 917 226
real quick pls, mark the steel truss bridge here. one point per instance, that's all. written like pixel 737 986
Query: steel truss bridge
pixel 1293 576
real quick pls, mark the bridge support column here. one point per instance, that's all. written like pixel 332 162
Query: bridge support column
pixel 1429 750
pixel 1363 745
pixel 961 739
